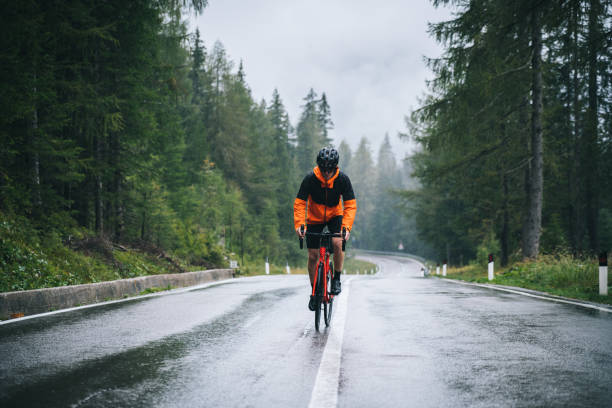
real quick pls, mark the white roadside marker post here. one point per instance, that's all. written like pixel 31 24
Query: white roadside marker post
pixel 267 267
pixel 491 267
pixel 437 269
pixel 288 269
pixel 603 273
pixel 344 271
pixel 444 268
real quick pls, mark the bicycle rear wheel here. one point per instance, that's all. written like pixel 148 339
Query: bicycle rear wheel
pixel 318 296
pixel 327 307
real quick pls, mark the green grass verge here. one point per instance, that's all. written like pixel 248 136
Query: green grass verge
pixel 353 266
pixel 33 260
pixel 560 275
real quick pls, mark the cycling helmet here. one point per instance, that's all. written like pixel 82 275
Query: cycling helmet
pixel 328 158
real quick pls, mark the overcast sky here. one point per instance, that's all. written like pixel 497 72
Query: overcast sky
pixel 366 56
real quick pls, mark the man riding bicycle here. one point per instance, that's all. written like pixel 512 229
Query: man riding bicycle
pixel 320 192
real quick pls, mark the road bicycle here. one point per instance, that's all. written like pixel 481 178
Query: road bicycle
pixel 321 287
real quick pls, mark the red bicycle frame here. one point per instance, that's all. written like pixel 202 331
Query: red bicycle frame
pixel 324 257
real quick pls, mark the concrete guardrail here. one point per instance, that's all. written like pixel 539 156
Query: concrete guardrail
pixel 28 302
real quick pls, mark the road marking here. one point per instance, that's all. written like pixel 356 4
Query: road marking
pixel 518 292
pixel 325 391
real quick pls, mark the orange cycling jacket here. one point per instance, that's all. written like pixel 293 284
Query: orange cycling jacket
pixel 322 197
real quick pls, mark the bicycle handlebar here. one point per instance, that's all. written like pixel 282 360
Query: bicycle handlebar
pixel 324 234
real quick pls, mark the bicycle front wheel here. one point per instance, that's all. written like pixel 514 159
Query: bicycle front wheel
pixel 319 296
pixel 327 307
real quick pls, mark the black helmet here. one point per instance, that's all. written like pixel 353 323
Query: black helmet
pixel 328 158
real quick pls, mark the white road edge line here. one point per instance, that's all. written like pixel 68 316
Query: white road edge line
pixel 518 292
pixel 325 391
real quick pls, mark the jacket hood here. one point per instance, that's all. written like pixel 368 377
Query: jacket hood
pixel 326 183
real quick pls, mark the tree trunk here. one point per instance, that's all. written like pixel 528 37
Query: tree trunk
pixel 34 157
pixel 447 253
pixel 533 221
pixel 119 211
pixel 118 222
pixel 98 203
pixel 592 152
pixel 144 217
pixel 505 227
pixel 576 223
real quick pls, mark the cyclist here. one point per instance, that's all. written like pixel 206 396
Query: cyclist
pixel 320 192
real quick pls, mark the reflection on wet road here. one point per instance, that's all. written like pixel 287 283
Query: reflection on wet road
pixel 434 343
pixel 408 341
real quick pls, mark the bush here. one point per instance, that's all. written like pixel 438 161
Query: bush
pixel 31 260
pixel 489 245
pixel 556 271
pixel 21 264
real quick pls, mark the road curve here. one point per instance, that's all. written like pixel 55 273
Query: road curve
pixel 400 340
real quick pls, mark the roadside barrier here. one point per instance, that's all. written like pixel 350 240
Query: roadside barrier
pixel 28 302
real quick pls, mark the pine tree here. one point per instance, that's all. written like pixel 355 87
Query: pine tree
pixel 363 178
pixel 309 134
pixel 198 57
pixel 383 229
pixel 325 120
pixel 284 176
pixel 344 150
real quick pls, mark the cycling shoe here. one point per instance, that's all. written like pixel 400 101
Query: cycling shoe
pixel 336 287
pixel 312 304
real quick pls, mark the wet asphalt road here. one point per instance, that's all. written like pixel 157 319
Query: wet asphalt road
pixel 407 342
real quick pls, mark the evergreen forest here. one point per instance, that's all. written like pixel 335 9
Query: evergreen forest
pixel 129 147
pixel 515 133
pixel 126 140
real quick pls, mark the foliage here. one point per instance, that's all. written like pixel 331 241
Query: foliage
pixel 29 260
pixel 490 245
pixel 120 129
pixel 477 162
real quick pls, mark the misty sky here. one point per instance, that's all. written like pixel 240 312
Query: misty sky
pixel 366 56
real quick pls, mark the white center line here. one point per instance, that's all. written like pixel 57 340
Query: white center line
pixel 325 391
